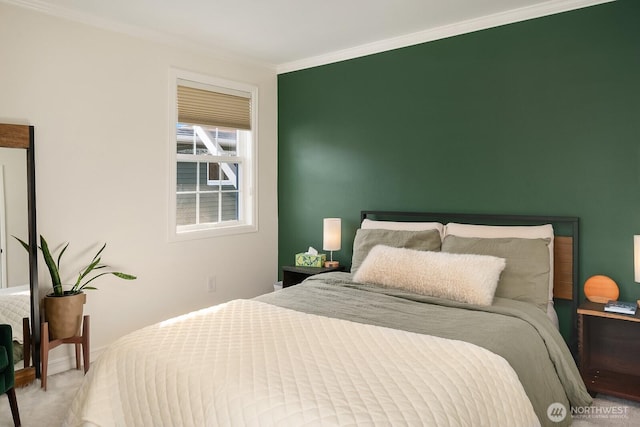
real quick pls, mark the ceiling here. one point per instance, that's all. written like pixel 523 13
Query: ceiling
pixel 294 34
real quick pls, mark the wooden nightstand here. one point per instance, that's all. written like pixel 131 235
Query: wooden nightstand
pixel 609 348
pixel 293 275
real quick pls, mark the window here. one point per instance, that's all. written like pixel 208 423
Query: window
pixel 212 143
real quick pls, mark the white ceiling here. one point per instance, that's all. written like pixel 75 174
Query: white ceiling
pixel 294 34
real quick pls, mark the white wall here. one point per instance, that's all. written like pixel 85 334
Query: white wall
pixel 99 104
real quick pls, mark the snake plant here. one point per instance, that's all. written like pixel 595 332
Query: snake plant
pixel 84 276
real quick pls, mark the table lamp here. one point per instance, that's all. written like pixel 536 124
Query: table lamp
pixel 331 238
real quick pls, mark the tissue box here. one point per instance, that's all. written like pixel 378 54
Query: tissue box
pixel 306 260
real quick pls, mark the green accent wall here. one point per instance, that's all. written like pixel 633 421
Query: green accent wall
pixel 540 117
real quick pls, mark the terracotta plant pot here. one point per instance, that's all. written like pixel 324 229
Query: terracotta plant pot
pixel 64 315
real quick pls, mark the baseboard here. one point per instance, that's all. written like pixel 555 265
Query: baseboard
pixel 63 364
pixel 24 377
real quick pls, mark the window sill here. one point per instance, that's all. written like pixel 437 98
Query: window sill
pixel 211 232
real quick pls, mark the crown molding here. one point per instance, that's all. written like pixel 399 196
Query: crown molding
pixel 490 21
pixel 135 31
pixel 550 7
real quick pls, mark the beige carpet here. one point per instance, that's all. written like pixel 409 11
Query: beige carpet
pixel 43 409
pixel 47 409
pixel 610 411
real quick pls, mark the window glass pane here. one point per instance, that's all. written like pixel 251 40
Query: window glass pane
pixel 213 176
pixel 187 176
pixel 206 141
pixel 229 176
pixel 209 207
pixel 184 139
pixel 209 182
pixel 228 142
pixel 185 148
pixel 230 206
pixel 185 209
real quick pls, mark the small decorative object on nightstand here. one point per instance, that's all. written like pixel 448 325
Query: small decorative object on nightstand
pixel 620 307
pixel 609 347
pixel 293 275
pixel 601 288
pixel 331 238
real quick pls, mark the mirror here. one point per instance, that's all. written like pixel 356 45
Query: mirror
pixel 14 260
pixel 18 268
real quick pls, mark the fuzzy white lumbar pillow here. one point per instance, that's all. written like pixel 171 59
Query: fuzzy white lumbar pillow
pixel 461 277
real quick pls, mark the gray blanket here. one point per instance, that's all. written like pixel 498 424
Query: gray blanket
pixel 519 332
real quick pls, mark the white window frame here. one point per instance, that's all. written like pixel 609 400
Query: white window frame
pixel 248 221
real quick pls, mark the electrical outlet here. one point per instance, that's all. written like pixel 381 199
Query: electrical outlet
pixel 211 284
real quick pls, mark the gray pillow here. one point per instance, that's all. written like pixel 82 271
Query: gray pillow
pixel 526 276
pixel 366 239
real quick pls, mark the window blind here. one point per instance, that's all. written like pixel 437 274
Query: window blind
pixel 205 107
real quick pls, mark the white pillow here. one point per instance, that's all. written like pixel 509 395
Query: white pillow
pixel 461 277
pixel 400 225
pixel 499 231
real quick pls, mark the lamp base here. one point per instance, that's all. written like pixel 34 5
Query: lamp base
pixel 331 264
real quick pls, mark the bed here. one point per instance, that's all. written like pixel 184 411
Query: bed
pixel 383 344
pixel 15 306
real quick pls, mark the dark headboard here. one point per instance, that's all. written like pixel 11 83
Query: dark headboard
pixel 566 244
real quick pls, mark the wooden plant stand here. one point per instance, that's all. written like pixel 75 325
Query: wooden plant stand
pixel 81 341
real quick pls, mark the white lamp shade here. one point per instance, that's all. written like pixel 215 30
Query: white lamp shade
pixel 332 234
pixel 636 257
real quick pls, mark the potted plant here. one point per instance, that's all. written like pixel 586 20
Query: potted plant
pixel 63 307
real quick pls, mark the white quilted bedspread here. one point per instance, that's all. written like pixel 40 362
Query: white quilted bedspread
pixel 14 306
pixel 249 363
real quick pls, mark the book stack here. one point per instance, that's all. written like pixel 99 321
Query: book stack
pixel 621 307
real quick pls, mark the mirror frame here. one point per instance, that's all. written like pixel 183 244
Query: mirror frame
pixel 22 136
